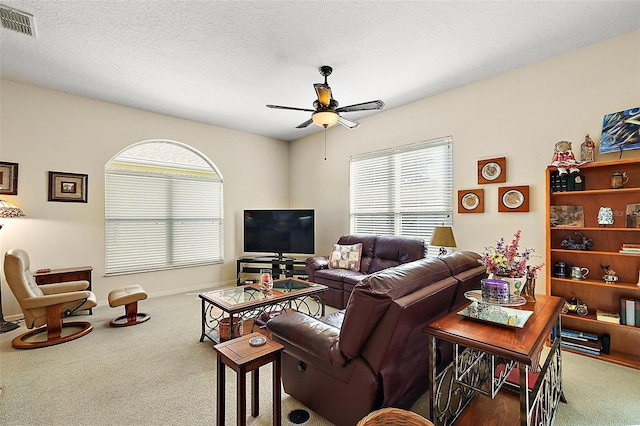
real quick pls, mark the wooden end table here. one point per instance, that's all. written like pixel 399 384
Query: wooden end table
pixel 484 356
pixel 241 357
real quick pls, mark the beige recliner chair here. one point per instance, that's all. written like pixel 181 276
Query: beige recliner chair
pixel 43 306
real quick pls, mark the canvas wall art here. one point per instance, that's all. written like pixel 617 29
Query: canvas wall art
pixel 620 131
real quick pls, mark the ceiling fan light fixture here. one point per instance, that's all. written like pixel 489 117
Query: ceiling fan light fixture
pixel 325 118
pixel 324 95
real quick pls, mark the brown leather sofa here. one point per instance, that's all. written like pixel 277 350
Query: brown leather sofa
pixel 378 252
pixel 373 354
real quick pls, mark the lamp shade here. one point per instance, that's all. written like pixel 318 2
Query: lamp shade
pixel 325 118
pixel 443 237
pixel 9 210
pixel 324 94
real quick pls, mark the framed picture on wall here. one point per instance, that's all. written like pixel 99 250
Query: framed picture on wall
pixel 513 199
pixel 8 178
pixel 493 170
pixel 69 187
pixel 471 201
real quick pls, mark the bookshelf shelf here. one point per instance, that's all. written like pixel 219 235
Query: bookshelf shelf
pixel 607 241
pixel 620 358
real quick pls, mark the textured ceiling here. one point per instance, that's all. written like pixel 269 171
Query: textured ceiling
pixel 221 62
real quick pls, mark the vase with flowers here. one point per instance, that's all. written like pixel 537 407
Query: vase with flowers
pixel 506 261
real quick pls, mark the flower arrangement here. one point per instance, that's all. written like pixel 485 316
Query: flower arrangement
pixel 506 261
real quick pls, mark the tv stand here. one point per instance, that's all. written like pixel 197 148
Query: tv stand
pixel 248 267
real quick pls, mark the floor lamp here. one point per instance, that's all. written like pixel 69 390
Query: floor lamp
pixel 7 210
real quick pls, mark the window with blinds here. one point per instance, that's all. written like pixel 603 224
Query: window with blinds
pixel 404 191
pixel 163 209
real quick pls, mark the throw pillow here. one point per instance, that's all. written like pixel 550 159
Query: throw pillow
pixel 346 257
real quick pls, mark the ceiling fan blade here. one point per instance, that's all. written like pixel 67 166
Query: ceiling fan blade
pixel 324 94
pixel 348 123
pixel 305 124
pixel 365 106
pixel 290 108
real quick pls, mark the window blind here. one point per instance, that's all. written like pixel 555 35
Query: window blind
pixel 159 218
pixel 404 191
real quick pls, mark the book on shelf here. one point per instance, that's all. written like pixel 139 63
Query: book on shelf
pixel 565 345
pixel 611 317
pixel 629 251
pixel 592 345
pixel 630 248
pixel 630 312
pixel 578 335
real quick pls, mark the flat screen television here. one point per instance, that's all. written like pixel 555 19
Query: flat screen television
pixel 289 231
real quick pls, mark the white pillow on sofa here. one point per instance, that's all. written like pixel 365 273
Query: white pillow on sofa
pixel 346 257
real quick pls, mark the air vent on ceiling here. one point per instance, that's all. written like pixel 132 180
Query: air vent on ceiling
pixel 17 21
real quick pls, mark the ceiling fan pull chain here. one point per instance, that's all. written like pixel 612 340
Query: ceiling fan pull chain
pixel 325 144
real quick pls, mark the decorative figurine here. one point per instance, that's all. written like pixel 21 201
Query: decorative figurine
pixel 564 158
pixel 609 276
pixel 529 289
pixel 587 150
pixel 575 306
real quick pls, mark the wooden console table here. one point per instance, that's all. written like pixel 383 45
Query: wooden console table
pixel 79 273
pixel 484 356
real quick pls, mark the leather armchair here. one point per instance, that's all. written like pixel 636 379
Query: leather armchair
pixel 43 306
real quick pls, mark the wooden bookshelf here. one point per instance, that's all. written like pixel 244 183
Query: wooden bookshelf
pixel 593 291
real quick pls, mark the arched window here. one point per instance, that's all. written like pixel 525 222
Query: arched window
pixel 163 209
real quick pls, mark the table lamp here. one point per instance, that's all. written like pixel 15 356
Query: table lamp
pixel 7 210
pixel 443 237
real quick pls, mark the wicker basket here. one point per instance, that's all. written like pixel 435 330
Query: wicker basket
pixel 225 328
pixel 394 416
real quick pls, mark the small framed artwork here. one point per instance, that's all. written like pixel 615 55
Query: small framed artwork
pixel 620 131
pixel 513 199
pixel 633 215
pixel 566 216
pixel 493 170
pixel 471 201
pixel 71 187
pixel 8 178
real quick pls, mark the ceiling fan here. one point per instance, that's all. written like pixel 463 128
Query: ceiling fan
pixel 326 112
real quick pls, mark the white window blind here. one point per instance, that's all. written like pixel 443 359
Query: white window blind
pixel 163 209
pixel 403 191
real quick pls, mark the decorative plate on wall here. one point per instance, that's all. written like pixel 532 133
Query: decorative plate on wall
pixel 493 170
pixel 471 201
pixel 513 199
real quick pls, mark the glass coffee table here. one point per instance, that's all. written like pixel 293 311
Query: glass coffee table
pixel 230 306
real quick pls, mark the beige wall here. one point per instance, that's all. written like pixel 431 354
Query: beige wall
pixel 519 115
pixel 44 130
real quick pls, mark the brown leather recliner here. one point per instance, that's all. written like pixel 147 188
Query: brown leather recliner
pixel 373 354
pixel 378 252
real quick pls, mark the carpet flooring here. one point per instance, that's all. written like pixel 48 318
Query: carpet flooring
pixel 159 373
